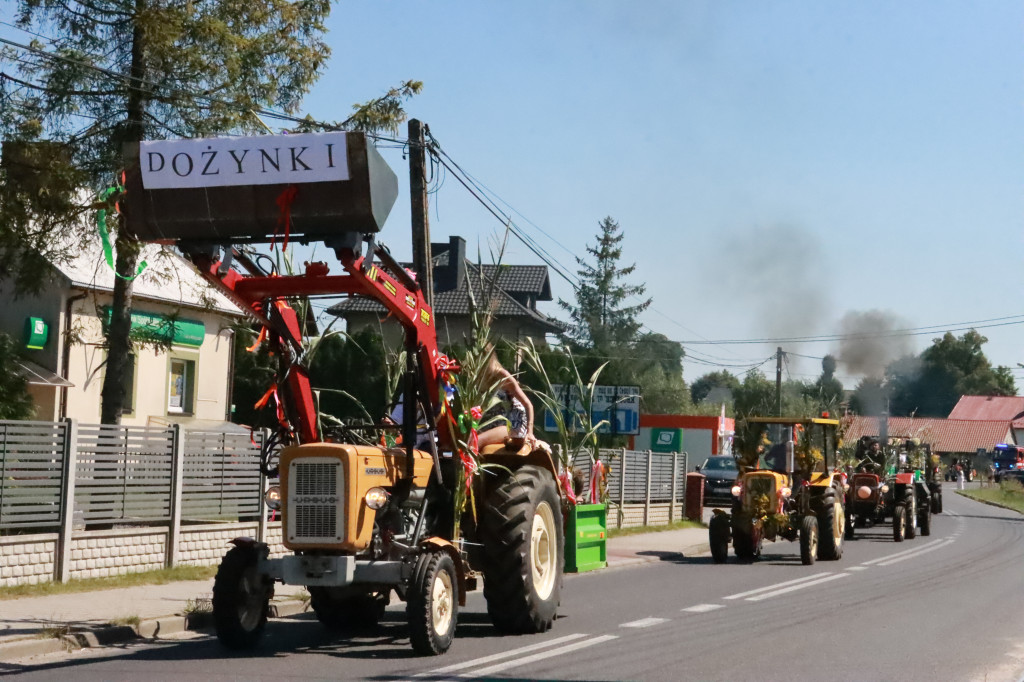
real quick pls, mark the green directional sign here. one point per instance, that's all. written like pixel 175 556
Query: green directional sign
pixel 666 440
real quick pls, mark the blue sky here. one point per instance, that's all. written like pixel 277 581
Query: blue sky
pixel 774 166
pixel 779 169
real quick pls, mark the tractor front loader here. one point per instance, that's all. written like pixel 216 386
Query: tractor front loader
pixel 363 521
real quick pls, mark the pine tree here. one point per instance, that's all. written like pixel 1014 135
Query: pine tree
pixel 601 319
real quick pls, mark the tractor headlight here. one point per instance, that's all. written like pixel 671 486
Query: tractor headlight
pixel 273 497
pixel 786 492
pixel 376 498
pixel 736 491
pixel 885 488
pixel 864 492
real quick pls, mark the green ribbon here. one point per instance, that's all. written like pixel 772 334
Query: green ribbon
pixel 104 229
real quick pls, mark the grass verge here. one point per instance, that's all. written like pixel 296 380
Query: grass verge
pixel 675 525
pixel 157 577
pixel 1000 497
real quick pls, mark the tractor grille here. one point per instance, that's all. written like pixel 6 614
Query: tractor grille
pixel 316 501
pixel 759 493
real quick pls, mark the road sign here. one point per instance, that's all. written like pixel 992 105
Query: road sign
pixel 618 405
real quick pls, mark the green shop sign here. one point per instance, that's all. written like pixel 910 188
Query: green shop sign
pixel 156 327
pixel 36 333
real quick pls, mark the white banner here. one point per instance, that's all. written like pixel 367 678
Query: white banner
pixel 228 161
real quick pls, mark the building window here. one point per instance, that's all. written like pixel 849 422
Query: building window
pixel 129 386
pixel 181 386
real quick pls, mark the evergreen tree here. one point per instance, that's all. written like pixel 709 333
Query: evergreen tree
pixel 601 318
pixel 827 391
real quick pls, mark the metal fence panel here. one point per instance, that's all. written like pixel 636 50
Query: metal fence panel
pixel 221 476
pixel 31 460
pixel 124 473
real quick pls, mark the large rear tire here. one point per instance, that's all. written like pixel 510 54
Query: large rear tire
pixel 433 605
pixel 521 533
pixel 937 501
pixel 718 537
pixel 241 599
pixel 832 524
pixel 808 540
pixel 899 523
pixel 924 519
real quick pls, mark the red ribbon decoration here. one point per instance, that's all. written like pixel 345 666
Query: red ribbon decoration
pixel 566 480
pixel 262 402
pixel 284 204
pixel 595 481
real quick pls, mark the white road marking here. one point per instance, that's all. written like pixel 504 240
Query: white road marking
pixel 793 588
pixel 503 654
pixel 896 554
pixel 703 608
pixel 539 657
pixel 857 568
pixel 644 623
pixel 925 550
pixel 777 585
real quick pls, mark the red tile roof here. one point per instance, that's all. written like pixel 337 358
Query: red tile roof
pixel 944 435
pixel 986 407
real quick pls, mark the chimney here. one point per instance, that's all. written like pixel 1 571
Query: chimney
pixel 451 276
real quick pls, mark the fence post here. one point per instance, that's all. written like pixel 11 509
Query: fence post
pixel 62 562
pixel 647 495
pixel 675 476
pixel 177 481
pixel 622 491
pixel 261 505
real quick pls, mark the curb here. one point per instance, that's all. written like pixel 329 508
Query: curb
pixel 151 628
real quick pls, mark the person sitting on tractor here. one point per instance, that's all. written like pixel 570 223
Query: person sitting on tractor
pixel 869 455
pixel 517 409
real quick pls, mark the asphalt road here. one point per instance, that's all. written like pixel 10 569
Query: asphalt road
pixel 945 607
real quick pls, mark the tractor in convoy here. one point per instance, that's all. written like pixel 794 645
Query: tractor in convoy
pixel 787 488
pixel 900 485
pixel 361 521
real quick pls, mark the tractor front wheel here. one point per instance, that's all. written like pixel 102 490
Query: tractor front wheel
pixel 718 536
pixel 241 599
pixel 899 523
pixel 910 502
pixel 808 540
pixel 433 605
pixel 746 543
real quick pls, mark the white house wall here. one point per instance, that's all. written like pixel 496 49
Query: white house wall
pixel 152 373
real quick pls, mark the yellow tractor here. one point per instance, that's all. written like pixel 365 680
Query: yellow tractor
pixel 788 488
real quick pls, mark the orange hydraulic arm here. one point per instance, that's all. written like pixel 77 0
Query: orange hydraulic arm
pixel 266 298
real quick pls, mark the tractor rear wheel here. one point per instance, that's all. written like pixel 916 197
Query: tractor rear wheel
pixel 433 605
pixel 521 532
pixel 924 519
pixel 849 526
pixel 718 536
pixel 899 523
pixel 832 522
pixel 937 501
pixel 808 540
pixel 910 502
pixel 241 599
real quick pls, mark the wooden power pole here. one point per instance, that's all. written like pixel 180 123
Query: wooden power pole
pixel 778 382
pixel 421 257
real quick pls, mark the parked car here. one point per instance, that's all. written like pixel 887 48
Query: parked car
pixel 720 476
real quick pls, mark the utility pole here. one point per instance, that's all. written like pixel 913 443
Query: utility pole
pixel 778 382
pixel 421 257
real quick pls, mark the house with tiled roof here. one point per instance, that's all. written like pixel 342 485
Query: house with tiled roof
pixel 946 436
pixel 179 372
pixel 514 291
pixel 993 408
